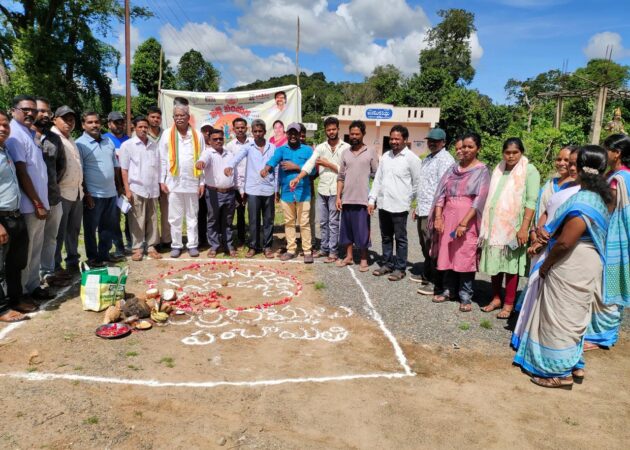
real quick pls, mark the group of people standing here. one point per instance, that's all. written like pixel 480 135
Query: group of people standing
pixel 575 230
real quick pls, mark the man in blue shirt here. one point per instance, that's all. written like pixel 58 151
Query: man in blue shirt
pixel 116 125
pixel 13 235
pixel 259 192
pixel 100 187
pixel 295 202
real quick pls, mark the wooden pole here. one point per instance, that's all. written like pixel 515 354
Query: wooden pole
pixel 128 66
pixel 558 116
pixel 598 115
pixel 297 54
pixel 160 74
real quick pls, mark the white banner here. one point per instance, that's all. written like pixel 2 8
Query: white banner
pixel 221 108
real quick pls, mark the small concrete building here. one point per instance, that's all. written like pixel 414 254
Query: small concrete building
pixel 379 118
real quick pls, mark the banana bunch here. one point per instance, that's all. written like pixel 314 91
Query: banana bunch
pixel 159 316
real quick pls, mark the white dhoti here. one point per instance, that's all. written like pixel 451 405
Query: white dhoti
pixel 182 205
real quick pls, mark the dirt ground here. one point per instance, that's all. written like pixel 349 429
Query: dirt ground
pixel 296 373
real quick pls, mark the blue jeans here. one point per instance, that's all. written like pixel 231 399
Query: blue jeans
pixel 460 283
pixel 257 206
pixel 328 223
pixel 394 226
pixel 221 207
pixel 102 218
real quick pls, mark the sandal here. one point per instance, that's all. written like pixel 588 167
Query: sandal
pixel 12 316
pixel 505 313
pixel 578 375
pixel 364 268
pixel 330 259
pixel 137 256
pixel 440 298
pixel 465 307
pixel 494 304
pixel 343 263
pixel 153 254
pixel 590 346
pixel 555 382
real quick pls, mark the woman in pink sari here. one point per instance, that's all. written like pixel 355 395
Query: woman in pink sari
pixel 459 202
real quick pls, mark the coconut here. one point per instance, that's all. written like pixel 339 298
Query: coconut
pixel 152 293
pixel 169 295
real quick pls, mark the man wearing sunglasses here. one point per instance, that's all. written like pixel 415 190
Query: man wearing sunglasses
pixel 32 176
pixel 220 192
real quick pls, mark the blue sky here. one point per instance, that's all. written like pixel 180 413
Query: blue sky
pixel 250 39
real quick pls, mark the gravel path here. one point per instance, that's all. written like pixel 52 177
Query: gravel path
pixel 414 317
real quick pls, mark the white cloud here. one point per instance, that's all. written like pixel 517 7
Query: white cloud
pixel 118 87
pixel 361 33
pixel 241 64
pixel 599 44
pixel 134 35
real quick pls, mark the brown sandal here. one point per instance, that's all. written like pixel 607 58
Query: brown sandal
pixel 344 262
pixel 12 316
pixel 494 304
pixel 555 382
pixel 465 307
pixel 137 256
pixel 505 313
pixel 153 254
pixel 440 298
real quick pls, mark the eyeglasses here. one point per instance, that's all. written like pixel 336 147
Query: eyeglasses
pixel 27 110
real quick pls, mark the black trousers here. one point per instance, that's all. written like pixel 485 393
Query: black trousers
pixel 240 218
pixel 394 226
pixel 13 257
pixel 261 207
pixel 430 272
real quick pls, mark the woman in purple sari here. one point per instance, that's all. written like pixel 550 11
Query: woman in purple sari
pixel 460 198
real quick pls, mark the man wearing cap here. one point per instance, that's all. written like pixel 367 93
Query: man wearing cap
pixel 295 200
pixel 433 167
pixel 139 164
pixel 180 147
pixel 395 187
pixel 13 235
pixel 71 191
pixel 220 193
pixel 55 159
pixel 116 125
pixel 101 175
pixel 33 179
pixel 260 191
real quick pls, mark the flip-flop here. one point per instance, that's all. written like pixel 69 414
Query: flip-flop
pixel 465 307
pixel 343 263
pixel 15 317
pixel 439 299
pixel 504 314
pixel 493 305
pixel 364 268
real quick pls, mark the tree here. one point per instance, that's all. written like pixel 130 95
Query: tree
pixel 449 45
pixel 49 48
pixel 196 74
pixel 145 73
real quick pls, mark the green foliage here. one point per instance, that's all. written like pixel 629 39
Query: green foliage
pixel 145 70
pixel 49 48
pixel 449 45
pixel 196 74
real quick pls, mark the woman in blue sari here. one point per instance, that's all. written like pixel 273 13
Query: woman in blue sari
pixel 603 331
pixel 551 346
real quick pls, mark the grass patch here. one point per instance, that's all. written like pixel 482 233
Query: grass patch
pixel 78 368
pixel 168 362
pixel 486 324
pixel 131 354
pixel 93 420
pixel 132 367
pixel 137 413
pixel 464 326
pixel 319 285
pixel 69 337
pixel 31 369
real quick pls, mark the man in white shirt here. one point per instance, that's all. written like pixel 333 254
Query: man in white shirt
pixel 140 162
pixel 180 146
pixel 434 165
pixel 220 192
pixel 327 158
pixel 395 186
pixel 239 125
